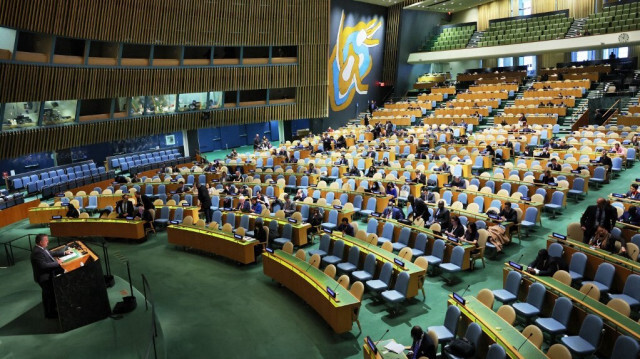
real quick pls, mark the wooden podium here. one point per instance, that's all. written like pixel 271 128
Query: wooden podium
pixel 81 292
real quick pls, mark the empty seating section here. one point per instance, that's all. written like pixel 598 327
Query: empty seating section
pixel 450 38
pixel 519 30
pixel 9 200
pixel 126 162
pixel 60 177
pixel 614 18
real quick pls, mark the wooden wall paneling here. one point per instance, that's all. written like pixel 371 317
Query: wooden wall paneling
pixel 493 10
pixel 24 82
pixel 197 22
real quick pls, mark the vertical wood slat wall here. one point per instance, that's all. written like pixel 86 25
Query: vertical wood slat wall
pixel 302 23
pixel 23 82
pixel 391 38
pixel 171 22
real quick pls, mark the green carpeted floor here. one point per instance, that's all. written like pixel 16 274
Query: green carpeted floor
pixel 209 307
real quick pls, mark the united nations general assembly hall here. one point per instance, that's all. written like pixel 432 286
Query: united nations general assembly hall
pixel 320 179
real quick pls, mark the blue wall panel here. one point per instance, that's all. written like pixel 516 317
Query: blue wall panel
pixel 274 131
pixel 299 125
pixel 231 137
pixel 28 163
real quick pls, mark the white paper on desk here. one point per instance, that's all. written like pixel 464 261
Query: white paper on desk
pixel 69 256
pixel 395 347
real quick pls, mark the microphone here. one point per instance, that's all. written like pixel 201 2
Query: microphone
pixel 587 293
pixel 518 261
pixel 310 263
pixel 465 290
pixel 385 333
pixel 527 338
pixel 336 287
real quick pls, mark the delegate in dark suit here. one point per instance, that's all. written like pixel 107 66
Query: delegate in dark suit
pixel 442 216
pixel 602 214
pixel 393 213
pixel 45 267
pixel 124 208
pixel 422 345
pixel 428 197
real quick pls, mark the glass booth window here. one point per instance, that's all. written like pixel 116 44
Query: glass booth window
pixel 161 104
pixel 505 61
pixel 20 115
pixel 192 101
pixel 137 106
pixel 620 53
pixel 59 112
pixel 215 100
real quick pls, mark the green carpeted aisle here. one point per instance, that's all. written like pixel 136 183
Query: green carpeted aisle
pixel 209 307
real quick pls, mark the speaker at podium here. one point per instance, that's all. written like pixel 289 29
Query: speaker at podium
pixel 81 292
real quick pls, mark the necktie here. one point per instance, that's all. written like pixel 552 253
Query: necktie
pixel 416 348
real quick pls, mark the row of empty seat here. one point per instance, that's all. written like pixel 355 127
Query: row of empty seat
pixel 124 162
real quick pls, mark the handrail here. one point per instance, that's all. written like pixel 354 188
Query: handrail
pixel 146 289
pixel 610 116
pixel 581 122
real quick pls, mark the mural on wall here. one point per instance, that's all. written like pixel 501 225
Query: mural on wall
pixel 351 60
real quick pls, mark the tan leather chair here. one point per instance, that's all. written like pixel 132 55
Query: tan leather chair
pixel 485 296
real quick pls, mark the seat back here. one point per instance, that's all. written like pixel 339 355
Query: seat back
pixel 452 318
pixel 555 250
pixel 405 233
pixel 591 329
pixel 354 255
pixel 438 249
pixel 578 263
pixel 485 296
pixel 385 273
pixel 370 264
pixel 496 351
pixel 625 347
pixel 457 256
pixel 512 284
pixel 535 297
pixel 387 230
pixel 372 226
pixel 420 242
pixel 605 274
pixel 632 286
pixel 507 313
pixel 287 231
pixel 562 310
pixel 325 242
pixel 371 204
pixel 402 283
pixel 338 249
pixel 473 334
pixel 558 351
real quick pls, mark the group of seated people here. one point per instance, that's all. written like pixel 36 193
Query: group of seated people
pixel 599 220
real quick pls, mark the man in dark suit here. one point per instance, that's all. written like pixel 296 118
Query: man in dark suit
pixel 244 206
pixel 602 214
pixel 421 156
pixel 427 195
pixel 371 154
pixel 124 207
pixel 422 345
pixel 554 165
pixel 392 212
pixel 420 178
pixel 443 216
pixel 606 161
pixel 45 266
pixel 345 227
pixel 183 188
